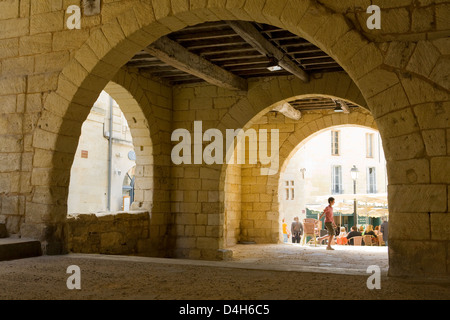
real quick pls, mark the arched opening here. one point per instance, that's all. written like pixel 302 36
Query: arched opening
pixel 257 193
pixel 104 154
pixel 111 184
pixel 317 170
pixel 111 46
pixel 255 204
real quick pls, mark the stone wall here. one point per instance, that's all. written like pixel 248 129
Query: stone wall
pixel 147 106
pixel 51 77
pixel 120 234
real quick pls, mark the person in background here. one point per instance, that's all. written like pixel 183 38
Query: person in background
pixel 377 230
pixel 286 233
pixel 384 229
pixel 361 229
pixel 369 231
pixel 342 237
pixel 353 233
pixel 296 230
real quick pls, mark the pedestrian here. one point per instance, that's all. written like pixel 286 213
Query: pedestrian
pixel 384 229
pixel 329 221
pixel 286 233
pixel 296 230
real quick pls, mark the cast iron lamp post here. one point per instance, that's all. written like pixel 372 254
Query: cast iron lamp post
pixel 354 173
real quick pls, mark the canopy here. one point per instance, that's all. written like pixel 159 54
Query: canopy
pixel 368 198
pixel 368 205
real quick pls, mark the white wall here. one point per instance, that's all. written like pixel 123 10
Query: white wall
pixel 88 190
pixel 315 156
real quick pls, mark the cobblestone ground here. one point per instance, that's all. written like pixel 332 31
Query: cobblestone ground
pixel 273 272
pixel 344 259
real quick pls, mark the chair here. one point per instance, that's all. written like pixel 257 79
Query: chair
pixel 367 240
pixel 357 241
pixel 380 239
pixel 310 230
pixel 343 241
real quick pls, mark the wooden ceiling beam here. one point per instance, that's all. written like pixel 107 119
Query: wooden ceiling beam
pixel 250 34
pixel 245 47
pixel 179 57
pixel 209 34
pixel 288 111
pixel 344 106
pixel 239 62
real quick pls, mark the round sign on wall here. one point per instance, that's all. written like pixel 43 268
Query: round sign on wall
pixel 132 155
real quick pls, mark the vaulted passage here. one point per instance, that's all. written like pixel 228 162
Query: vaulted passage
pixel 188 76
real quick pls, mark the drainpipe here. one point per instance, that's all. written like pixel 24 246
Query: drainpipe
pixel 110 147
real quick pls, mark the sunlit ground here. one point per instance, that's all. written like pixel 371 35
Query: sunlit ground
pixel 344 259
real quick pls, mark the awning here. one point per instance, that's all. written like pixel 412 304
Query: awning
pixel 368 205
pixel 379 199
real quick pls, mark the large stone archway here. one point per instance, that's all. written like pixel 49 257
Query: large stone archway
pixel 252 207
pixel 248 112
pixel 408 99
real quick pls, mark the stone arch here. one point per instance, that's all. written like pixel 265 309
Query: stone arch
pixel 251 215
pixel 113 44
pixel 109 47
pixel 261 98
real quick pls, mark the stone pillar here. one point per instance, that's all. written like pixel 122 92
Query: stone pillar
pixel 413 113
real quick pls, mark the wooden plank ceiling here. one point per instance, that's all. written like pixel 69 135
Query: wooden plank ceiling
pixel 321 103
pixel 220 44
pixel 227 53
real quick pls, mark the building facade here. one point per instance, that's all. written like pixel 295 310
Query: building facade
pixel 321 168
pixel 101 171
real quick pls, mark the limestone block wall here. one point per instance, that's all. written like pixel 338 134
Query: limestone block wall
pixel 147 106
pixel 197 200
pixel 216 206
pixel 400 18
pixel 51 76
pixel 233 206
pixel 413 127
pixel 120 234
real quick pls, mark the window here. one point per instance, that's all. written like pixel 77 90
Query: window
pixel 336 180
pixel 369 145
pixel 371 180
pixel 289 187
pixel 335 143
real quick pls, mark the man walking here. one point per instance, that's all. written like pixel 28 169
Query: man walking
pixel 329 221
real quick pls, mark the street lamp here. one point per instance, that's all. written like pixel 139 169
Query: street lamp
pixel 354 173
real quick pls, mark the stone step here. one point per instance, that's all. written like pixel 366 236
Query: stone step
pixel 13 249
